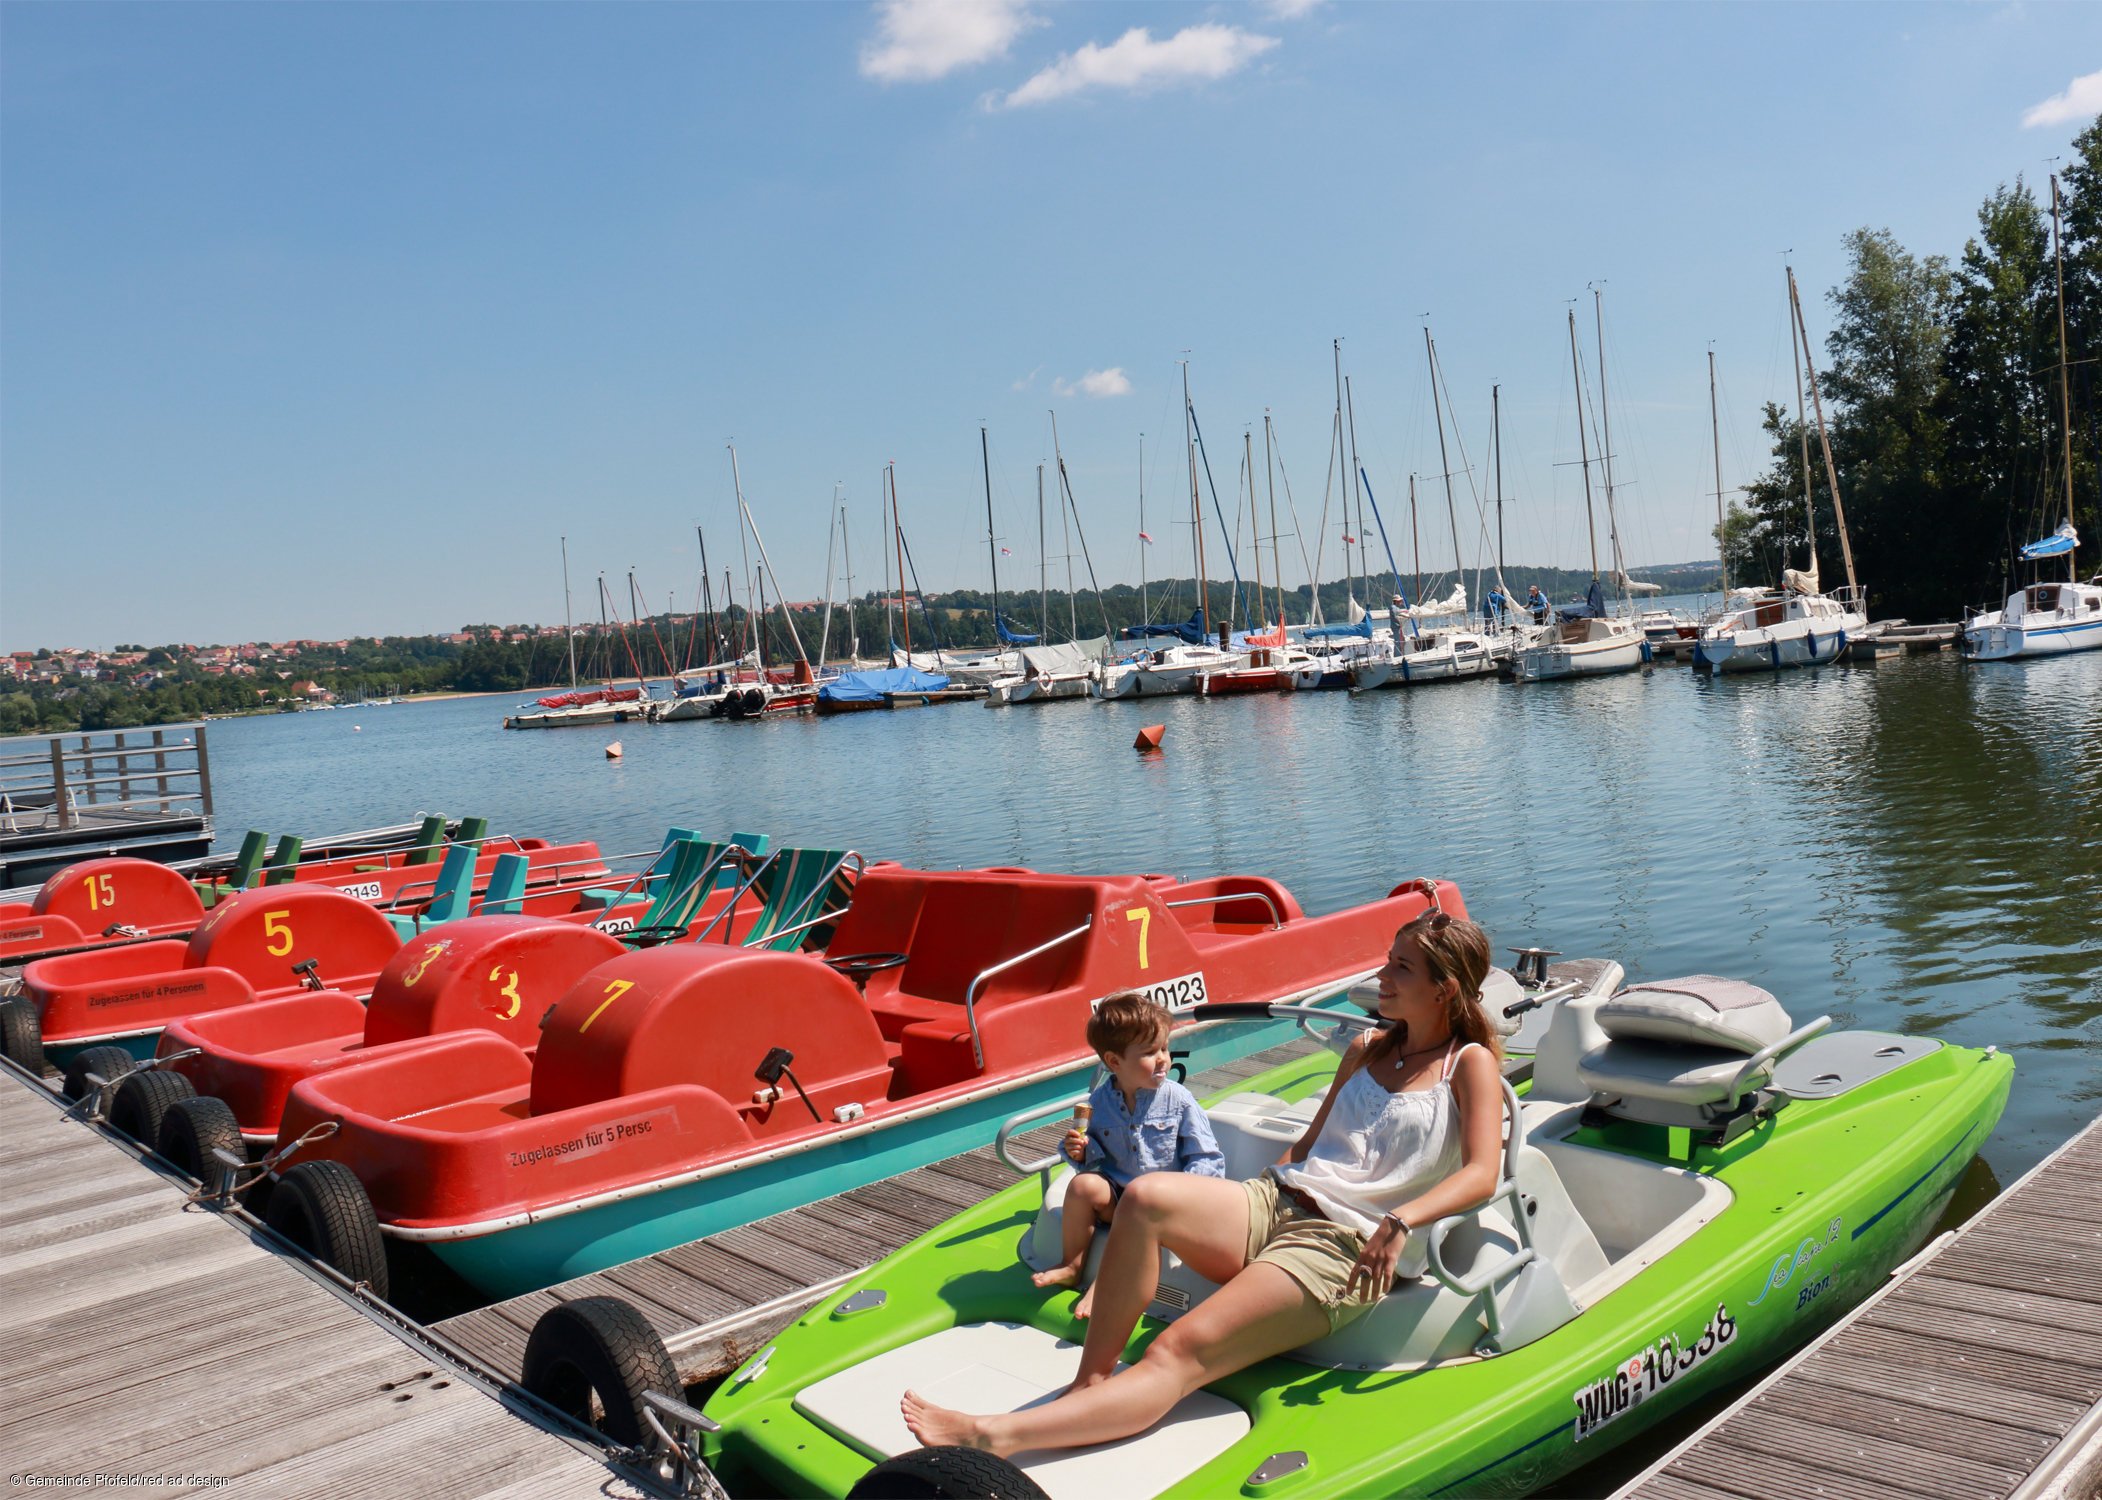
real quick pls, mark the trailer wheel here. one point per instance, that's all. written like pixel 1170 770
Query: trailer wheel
pixel 192 1129
pixel 107 1063
pixel 21 1035
pixel 946 1474
pixel 321 1207
pixel 599 1347
pixel 143 1100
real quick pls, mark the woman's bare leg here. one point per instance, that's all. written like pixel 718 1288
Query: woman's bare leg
pixel 1202 1219
pixel 1088 1202
pixel 1259 1313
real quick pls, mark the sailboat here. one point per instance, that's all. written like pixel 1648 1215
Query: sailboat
pixel 1797 624
pixel 2046 619
pixel 1175 668
pixel 1067 671
pixel 579 708
pixel 1585 641
pixel 768 697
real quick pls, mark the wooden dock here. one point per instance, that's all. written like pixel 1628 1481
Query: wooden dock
pixel 717 1300
pixel 1976 1375
pixel 144 1337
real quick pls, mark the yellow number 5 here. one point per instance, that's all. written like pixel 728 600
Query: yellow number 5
pixel 275 926
pixel 614 991
pixel 1144 918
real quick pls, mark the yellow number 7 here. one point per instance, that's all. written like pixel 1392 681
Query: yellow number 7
pixel 614 991
pixel 1144 918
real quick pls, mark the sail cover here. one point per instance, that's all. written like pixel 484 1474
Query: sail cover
pixel 1593 606
pixel 869 687
pixel 1191 630
pixel 1638 585
pixel 1064 660
pixel 1454 603
pixel 1009 636
pixel 2057 544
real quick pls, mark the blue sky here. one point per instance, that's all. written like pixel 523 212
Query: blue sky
pixel 324 319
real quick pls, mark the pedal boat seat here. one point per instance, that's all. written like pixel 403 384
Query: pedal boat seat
pixel 1686 1051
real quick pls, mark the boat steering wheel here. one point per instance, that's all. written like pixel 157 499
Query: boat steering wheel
pixel 859 966
pixel 653 936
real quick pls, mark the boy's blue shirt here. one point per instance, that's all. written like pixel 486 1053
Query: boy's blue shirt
pixel 1167 1132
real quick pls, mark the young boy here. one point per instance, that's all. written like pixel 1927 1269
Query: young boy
pixel 1138 1120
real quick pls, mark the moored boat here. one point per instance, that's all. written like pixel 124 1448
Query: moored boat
pixel 2044 619
pixel 1686 1193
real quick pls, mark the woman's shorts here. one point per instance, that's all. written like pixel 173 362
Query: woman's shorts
pixel 1313 1251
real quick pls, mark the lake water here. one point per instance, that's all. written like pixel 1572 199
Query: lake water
pixel 1911 846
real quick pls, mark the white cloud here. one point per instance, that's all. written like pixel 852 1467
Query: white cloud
pixel 1290 10
pixel 1136 61
pixel 1096 383
pixel 1027 380
pixel 2081 100
pixel 918 40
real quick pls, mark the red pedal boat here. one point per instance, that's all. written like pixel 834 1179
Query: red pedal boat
pixel 687 1088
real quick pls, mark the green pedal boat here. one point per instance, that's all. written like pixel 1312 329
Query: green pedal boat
pixel 1693 1187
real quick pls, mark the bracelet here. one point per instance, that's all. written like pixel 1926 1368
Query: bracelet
pixel 1397 1221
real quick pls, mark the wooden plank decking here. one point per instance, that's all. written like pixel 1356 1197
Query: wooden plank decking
pixel 142 1337
pixel 1958 1382
pixel 717 1300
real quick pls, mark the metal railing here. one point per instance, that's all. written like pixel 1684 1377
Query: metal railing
pixel 56 784
pixel 1277 916
pixel 970 994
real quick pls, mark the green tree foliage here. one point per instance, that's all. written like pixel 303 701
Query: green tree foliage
pixel 1943 410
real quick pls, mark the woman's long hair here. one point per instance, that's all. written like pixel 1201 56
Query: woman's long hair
pixel 1456 949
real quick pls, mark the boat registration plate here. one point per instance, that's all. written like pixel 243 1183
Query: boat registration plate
pixel 363 890
pixel 1180 995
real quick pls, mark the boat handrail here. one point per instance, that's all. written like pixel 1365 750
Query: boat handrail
pixel 1481 1287
pixel 970 994
pixel 1038 1166
pixel 1277 916
pixel 1760 1065
pixel 670 851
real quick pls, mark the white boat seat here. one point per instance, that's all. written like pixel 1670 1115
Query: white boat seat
pixel 1681 1075
pixel 1704 1010
pixel 1687 1052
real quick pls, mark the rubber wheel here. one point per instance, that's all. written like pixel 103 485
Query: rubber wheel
pixel 192 1130
pixel 321 1207
pixel 21 1035
pixel 946 1474
pixel 602 1347
pixel 109 1063
pixel 143 1101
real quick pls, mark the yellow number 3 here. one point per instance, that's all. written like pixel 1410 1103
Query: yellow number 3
pixel 275 927
pixel 1144 918
pixel 508 992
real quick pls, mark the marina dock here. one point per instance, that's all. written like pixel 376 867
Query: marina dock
pixel 1974 1374
pixel 160 1345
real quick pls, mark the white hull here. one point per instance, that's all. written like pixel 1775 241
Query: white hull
pixel 1457 655
pixel 1044 689
pixel 1812 630
pixel 2045 619
pixel 579 718
pixel 1605 646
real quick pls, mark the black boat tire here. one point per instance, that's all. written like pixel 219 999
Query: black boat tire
pixel 143 1100
pixel 321 1207
pixel 192 1130
pixel 110 1064
pixel 946 1474
pixel 21 1034
pixel 603 1347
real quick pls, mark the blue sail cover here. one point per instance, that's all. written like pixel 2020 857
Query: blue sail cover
pixel 2057 544
pixel 1191 630
pixel 1009 636
pixel 1593 607
pixel 869 687
pixel 1361 631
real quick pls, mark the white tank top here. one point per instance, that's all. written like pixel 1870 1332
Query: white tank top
pixel 1380 1150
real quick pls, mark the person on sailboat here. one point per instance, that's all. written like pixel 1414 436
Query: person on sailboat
pixel 1411 1131
pixel 1493 605
pixel 1537 603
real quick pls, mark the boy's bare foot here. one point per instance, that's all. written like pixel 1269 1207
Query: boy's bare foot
pixel 1086 1304
pixel 1057 1276
pixel 938 1427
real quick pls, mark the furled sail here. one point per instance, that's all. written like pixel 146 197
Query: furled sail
pixel 2057 544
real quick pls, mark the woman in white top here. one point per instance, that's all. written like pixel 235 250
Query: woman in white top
pixel 1411 1131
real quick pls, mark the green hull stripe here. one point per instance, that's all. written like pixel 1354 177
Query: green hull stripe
pixel 1496 1463
pixel 1870 1222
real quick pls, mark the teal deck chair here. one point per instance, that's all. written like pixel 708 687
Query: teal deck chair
pixel 505 893
pixel 691 868
pixel 451 897
pixel 794 888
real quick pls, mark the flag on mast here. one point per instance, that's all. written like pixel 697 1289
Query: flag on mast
pixel 1146 538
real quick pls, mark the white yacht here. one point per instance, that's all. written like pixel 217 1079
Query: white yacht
pixel 1170 669
pixel 2044 619
pixel 1794 626
pixel 1585 647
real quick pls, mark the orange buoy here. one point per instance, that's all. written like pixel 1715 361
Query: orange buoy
pixel 1149 737
pixel 613 751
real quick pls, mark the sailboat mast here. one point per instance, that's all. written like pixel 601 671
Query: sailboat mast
pixel 1145 614
pixel 1248 464
pixel 1576 371
pixel 1496 438
pixel 1350 589
pixel 824 640
pixel 1430 354
pixel 992 549
pixel 1357 492
pixel 1043 564
pixel 1605 411
pixel 707 598
pixel 2065 399
pixel 897 534
pixel 1824 442
pixel 1189 444
pixel 846 551
pixel 1415 540
pixel 1715 432
pixel 568 630
pixel 767 565
pixel 1066 517
pixel 1277 561
pixel 1802 428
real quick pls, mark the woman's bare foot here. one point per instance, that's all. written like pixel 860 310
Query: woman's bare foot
pixel 1086 1304
pixel 938 1427
pixel 1057 1276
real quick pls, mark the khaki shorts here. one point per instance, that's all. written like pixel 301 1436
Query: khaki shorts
pixel 1316 1253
